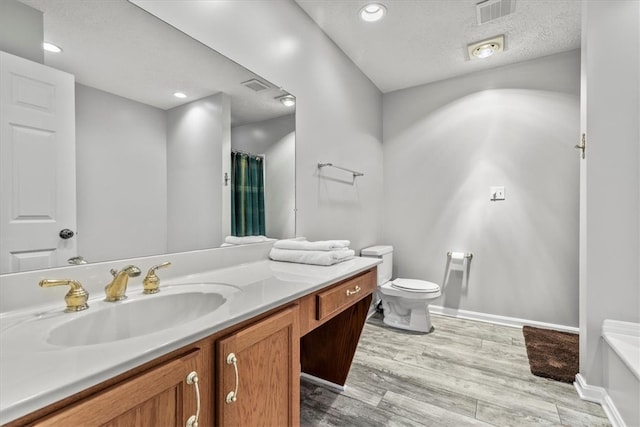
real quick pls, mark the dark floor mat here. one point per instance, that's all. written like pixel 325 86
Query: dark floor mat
pixel 552 354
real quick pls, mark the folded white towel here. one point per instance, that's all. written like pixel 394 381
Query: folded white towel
pixel 235 240
pixel 311 257
pixel 303 245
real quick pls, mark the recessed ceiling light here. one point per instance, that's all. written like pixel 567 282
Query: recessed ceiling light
pixel 287 100
pixel 486 48
pixel 372 12
pixel 50 47
pixel 179 95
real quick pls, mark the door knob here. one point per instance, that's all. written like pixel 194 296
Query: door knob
pixel 66 233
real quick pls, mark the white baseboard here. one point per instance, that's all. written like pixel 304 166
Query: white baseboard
pixel 513 322
pixel 325 383
pixel 599 395
pixel 589 392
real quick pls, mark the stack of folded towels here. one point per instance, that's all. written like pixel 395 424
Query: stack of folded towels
pixel 324 252
pixel 235 240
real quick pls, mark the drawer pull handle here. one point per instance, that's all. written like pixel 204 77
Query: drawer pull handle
pixel 354 291
pixel 232 396
pixel 192 378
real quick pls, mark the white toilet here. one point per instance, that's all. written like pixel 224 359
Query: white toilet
pixel 404 301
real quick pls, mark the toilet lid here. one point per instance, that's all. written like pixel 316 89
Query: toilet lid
pixel 412 285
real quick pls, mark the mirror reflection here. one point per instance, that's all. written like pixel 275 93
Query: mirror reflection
pixel 156 119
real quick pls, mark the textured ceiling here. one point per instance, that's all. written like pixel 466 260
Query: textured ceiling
pixel 116 47
pixel 421 41
pixel 119 48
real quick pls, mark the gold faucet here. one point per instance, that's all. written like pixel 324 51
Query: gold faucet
pixel 116 290
pixel 151 282
pixel 77 296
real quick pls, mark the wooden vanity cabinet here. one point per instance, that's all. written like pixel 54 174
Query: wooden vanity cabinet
pixel 331 322
pixel 267 353
pixel 317 333
pixel 160 396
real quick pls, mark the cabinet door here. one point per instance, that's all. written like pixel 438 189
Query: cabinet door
pixel 159 397
pixel 261 366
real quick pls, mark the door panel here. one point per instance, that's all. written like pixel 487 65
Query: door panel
pixel 37 155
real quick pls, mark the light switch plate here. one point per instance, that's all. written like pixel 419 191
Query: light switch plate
pixel 497 193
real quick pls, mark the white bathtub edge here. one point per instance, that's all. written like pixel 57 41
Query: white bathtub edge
pixel 620 327
pixel 624 339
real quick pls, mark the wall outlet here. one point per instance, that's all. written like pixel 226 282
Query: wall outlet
pixel 497 193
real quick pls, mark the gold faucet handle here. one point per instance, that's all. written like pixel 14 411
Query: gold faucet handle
pixel 151 282
pixel 77 296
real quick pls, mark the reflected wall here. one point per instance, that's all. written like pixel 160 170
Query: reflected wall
pixel 150 167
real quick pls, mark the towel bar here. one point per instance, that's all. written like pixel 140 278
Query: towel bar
pixel 355 173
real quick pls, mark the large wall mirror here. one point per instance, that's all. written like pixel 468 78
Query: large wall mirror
pixel 153 171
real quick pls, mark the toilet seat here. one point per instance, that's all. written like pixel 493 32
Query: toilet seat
pixel 413 285
pixel 411 289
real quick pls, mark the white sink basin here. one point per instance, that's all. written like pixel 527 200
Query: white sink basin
pixel 137 316
pixel 133 318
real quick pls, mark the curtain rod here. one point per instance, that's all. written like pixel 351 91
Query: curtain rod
pixel 234 150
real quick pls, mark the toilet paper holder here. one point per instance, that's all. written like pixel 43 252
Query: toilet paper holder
pixel 467 255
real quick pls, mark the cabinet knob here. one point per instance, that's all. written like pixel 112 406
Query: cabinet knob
pixel 232 396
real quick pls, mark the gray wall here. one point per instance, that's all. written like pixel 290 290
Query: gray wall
pixel 338 111
pixel 21 30
pixel 610 285
pixel 275 139
pixel 145 176
pixel 194 167
pixel 121 176
pixel 446 143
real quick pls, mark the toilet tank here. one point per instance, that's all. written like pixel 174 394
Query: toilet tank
pixel 385 253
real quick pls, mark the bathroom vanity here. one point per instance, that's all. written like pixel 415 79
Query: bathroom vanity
pixel 239 365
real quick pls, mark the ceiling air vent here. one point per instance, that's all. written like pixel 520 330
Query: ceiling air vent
pixel 255 84
pixel 492 9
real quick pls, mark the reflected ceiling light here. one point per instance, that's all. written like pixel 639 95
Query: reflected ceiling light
pixel 287 100
pixel 373 12
pixel 50 47
pixel 486 48
pixel 179 95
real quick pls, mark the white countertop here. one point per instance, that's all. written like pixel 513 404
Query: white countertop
pixel 34 373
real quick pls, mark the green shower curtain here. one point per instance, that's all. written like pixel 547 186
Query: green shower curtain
pixel 247 195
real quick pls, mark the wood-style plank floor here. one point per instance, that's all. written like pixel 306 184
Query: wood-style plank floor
pixel 464 373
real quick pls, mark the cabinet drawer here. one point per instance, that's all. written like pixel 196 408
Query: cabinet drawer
pixel 342 296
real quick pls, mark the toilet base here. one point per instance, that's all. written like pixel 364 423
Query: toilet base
pixel 415 319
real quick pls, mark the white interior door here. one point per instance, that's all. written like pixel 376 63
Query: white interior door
pixel 37 165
